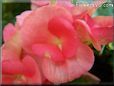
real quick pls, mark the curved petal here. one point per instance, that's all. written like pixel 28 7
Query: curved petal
pixel 98 30
pixel 64 30
pixel 15 66
pixel 8 31
pixel 85 33
pixel 12 71
pixel 104 31
pixel 104 21
pixel 11 46
pixel 12 67
pixel 71 69
pixel 85 57
pixel 33 71
pixel 88 19
pixel 35 28
pixel 7 79
pixel 27 69
pixel 65 3
pixel 21 18
pixel 104 35
pixel 39 3
pixel 48 51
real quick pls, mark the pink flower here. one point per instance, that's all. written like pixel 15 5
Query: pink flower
pixel 49 44
pixel 54 43
pixel 98 30
pixel 55 53
pixel 23 71
pixel 17 66
pixel 40 3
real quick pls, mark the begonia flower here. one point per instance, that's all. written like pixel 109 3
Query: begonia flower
pixel 17 67
pixel 54 42
pixel 23 71
pixel 98 30
pixel 50 45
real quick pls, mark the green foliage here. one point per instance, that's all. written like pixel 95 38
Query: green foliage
pixel 81 1
pixel 87 78
pixel 74 2
pixel 105 10
pixel 11 10
pixel 111 59
pixel 111 46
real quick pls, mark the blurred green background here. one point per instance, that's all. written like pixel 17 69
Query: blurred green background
pixel 10 10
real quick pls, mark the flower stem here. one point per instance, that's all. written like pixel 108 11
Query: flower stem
pixel 101 52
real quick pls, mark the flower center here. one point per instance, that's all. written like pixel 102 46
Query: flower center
pixel 47 55
pixel 58 42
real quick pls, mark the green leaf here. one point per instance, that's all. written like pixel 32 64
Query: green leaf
pixel 87 78
pixel 102 50
pixel 111 45
pixel 105 10
pixel 81 1
pixel 74 2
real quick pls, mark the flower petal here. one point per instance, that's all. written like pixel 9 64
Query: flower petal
pixel 33 71
pixel 96 30
pixel 21 18
pixel 64 30
pixel 85 33
pixel 12 67
pixel 7 79
pixel 39 3
pixel 11 46
pixel 17 67
pixel 104 21
pixel 48 51
pixel 104 35
pixel 85 57
pixel 71 69
pixel 104 29
pixel 35 28
pixel 8 32
pixel 27 68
